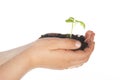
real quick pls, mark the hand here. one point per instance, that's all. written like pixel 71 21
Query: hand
pixel 57 53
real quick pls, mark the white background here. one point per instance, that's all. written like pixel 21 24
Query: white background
pixel 23 21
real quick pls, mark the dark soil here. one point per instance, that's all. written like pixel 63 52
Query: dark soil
pixel 81 38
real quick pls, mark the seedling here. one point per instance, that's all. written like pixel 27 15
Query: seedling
pixel 74 22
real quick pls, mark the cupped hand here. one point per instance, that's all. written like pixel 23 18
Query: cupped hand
pixel 57 53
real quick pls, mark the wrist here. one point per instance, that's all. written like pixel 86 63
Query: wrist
pixel 8 55
pixel 26 60
pixel 19 65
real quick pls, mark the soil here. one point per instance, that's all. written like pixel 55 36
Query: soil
pixel 80 38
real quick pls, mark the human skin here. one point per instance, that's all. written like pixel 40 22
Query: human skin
pixel 53 53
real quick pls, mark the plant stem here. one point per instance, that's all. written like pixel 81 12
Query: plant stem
pixel 71 30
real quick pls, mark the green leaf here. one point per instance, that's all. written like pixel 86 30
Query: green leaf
pixel 73 21
pixel 70 20
pixel 81 23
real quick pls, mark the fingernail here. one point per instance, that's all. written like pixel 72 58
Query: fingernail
pixel 78 44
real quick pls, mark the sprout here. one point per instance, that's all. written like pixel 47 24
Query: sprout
pixel 73 21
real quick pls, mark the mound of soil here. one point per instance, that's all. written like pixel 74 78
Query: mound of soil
pixel 80 38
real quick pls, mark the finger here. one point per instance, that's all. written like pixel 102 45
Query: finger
pixel 89 35
pixel 90 48
pixel 69 55
pixel 70 58
pixel 90 42
pixel 59 43
pixel 75 65
pixel 92 37
pixel 78 63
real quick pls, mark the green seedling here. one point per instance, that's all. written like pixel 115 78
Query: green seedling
pixel 74 22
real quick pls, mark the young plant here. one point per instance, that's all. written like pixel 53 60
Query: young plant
pixel 74 21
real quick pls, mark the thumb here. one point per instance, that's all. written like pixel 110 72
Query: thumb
pixel 65 44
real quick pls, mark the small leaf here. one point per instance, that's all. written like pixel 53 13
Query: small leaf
pixel 81 23
pixel 70 20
